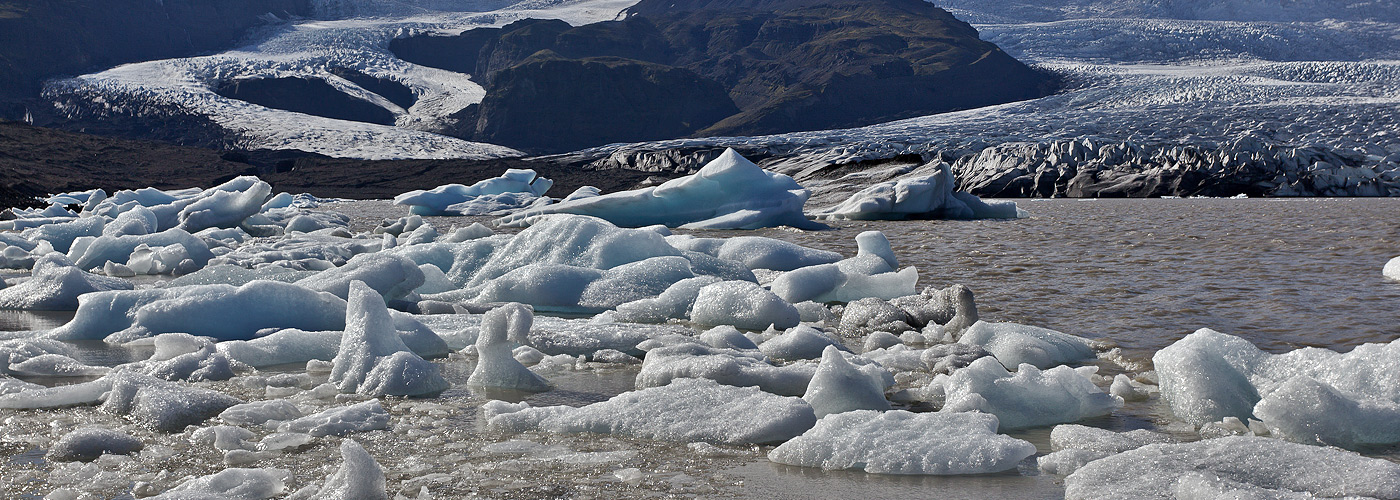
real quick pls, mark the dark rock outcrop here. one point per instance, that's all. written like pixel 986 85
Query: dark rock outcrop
pixel 551 103
pixel 785 65
pixel 46 38
pixel 305 95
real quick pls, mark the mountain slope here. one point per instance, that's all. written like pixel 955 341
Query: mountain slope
pixel 787 65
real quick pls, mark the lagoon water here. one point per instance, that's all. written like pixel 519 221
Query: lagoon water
pixel 1140 274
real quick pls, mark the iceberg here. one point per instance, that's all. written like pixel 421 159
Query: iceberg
pixel 1014 344
pixel 496 368
pixel 1392 269
pixel 742 304
pixel 372 358
pixel 1234 467
pixel 1077 445
pixel 1310 394
pixel 839 387
pixel 664 365
pixel 729 192
pixel 223 312
pixel 339 421
pixel 56 285
pixel 923 197
pixel 517 188
pixel 1028 398
pixel 902 442
pixel 163 406
pixel 691 410
pixel 358 478
pixel 88 443
pixel 231 484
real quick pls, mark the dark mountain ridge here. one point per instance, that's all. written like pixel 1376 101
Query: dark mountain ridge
pixel 783 66
pixel 41 39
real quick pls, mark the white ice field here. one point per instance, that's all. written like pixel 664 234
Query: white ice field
pixel 233 343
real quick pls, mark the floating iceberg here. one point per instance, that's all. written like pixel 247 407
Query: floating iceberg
pixel 496 368
pixel 358 478
pixel 1310 394
pixel 231 484
pixel 1014 344
pixel 1028 398
pixel 1077 445
pixel 163 406
pixel 56 285
pixel 742 304
pixel 88 443
pixel 901 442
pixel 517 188
pixel 1234 467
pixel 339 421
pixel 1392 269
pixel 373 359
pixel 692 410
pixel 729 192
pixel 838 386
pixel 926 197
pixel 664 365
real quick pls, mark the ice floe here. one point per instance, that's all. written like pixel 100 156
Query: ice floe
pixel 373 359
pixel 729 192
pixel 88 443
pixel 1234 467
pixel 839 387
pixel 1028 398
pixel 901 442
pixel 515 189
pixel 1014 344
pixel 691 410
pixel 496 368
pixel 1310 394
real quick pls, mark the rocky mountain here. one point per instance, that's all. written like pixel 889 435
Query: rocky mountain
pixel 46 38
pixel 737 68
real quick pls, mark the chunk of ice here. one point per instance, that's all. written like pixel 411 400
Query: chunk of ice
pixel 901 442
pixel 729 192
pixel 692 410
pixel 1262 467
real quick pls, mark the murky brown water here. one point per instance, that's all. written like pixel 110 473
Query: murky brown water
pixel 1283 273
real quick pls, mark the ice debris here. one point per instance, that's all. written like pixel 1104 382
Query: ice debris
pixel 339 421
pixel 1311 394
pixel 160 405
pixel 231 484
pixel 1077 445
pixel 901 442
pixel 838 386
pixel 358 478
pixel 1014 344
pixel 55 286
